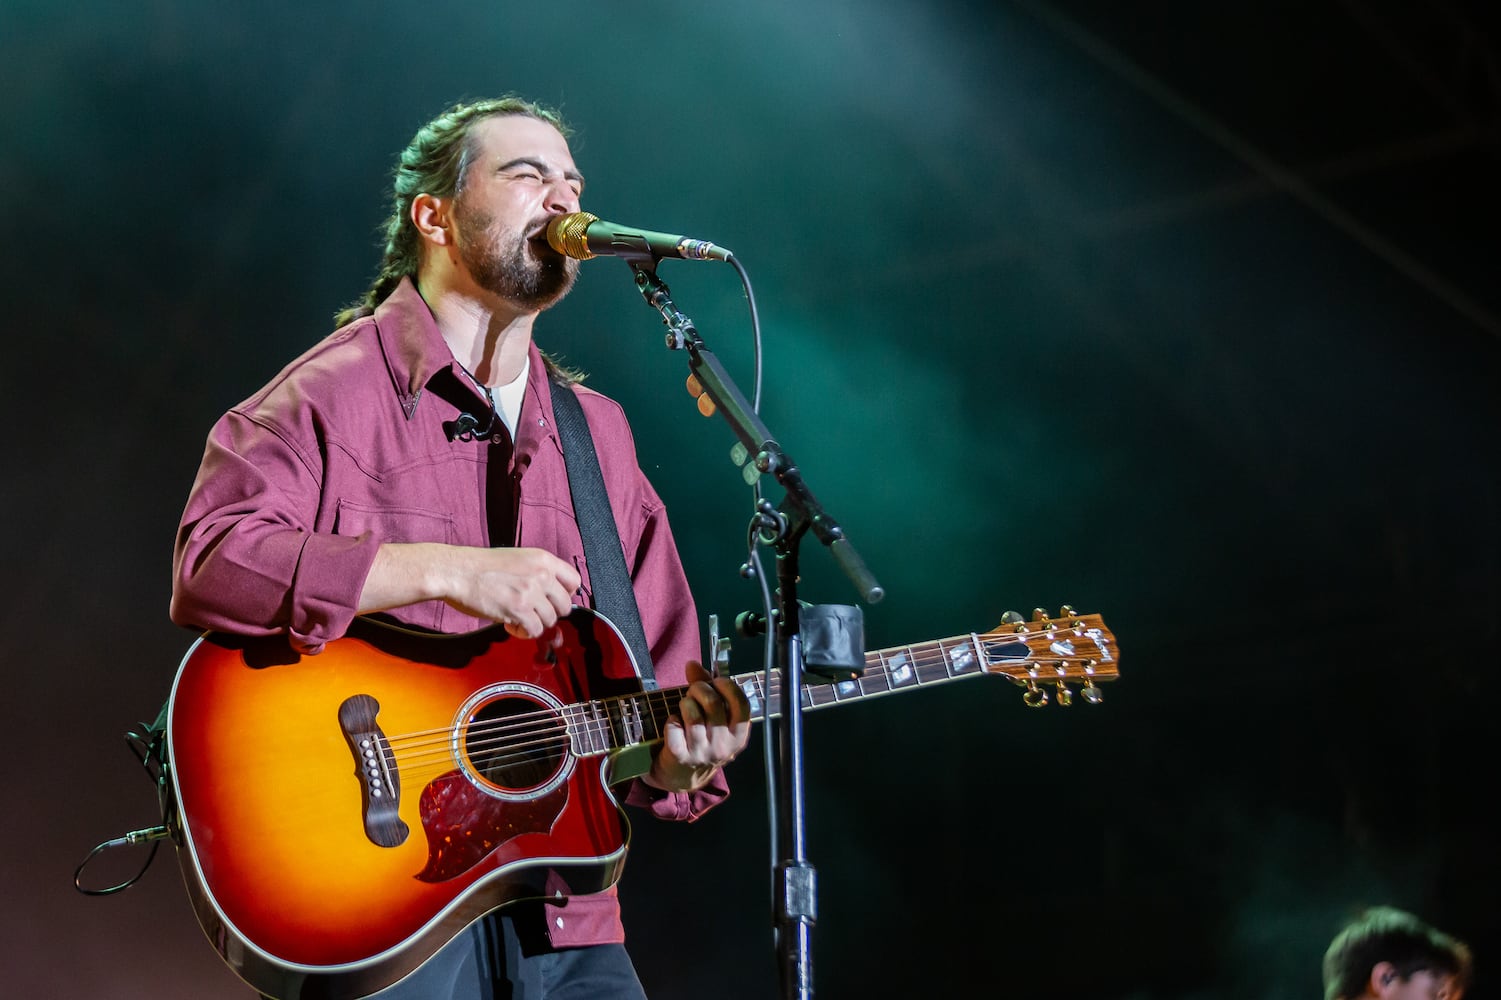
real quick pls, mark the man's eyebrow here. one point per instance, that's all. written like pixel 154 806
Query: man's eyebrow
pixel 541 168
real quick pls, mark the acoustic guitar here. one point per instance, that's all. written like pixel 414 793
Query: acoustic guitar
pixel 341 817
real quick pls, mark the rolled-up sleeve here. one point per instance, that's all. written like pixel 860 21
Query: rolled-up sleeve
pixel 247 558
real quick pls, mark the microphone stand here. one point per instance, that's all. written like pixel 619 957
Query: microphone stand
pixel 784 527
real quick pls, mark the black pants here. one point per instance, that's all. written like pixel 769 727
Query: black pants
pixel 507 957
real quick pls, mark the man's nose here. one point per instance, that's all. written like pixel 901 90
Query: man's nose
pixel 562 198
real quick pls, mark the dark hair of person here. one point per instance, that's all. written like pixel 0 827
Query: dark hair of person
pixel 1385 934
pixel 436 162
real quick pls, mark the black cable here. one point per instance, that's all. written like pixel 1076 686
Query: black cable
pixel 148 749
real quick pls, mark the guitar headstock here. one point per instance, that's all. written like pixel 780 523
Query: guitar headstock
pixel 1053 653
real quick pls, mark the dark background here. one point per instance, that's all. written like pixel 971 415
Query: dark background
pixel 1181 313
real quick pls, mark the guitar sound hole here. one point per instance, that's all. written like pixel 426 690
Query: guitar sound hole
pixel 516 744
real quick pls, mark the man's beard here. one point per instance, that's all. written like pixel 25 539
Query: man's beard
pixel 506 265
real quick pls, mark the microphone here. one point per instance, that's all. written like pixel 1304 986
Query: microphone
pixel 581 235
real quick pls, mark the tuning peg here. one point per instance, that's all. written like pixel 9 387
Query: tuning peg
pixel 1015 619
pixel 1091 693
pixel 1066 611
pixel 1034 696
pixel 1065 696
pixel 1039 615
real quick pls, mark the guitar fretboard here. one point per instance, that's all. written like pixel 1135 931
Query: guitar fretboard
pixel 606 724
pixel 886 671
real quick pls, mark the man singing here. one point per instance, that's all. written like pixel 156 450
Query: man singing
pixel 411 464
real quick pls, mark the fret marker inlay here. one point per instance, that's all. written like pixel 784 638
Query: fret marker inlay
pixel 962 658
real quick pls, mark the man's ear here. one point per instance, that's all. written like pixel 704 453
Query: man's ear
pixel 432 215
pixel 1383 979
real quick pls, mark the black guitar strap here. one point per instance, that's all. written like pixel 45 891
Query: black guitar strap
pixel 614 597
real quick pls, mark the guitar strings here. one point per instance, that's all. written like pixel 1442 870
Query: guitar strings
pixel 419 751
pixel 877 660
pixel 499 732
pixel 600 722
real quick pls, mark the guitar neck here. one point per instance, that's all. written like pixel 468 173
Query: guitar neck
pixel 887 671
pixel 607 724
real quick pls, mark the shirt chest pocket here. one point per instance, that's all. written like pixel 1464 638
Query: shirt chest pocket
pixel 394 524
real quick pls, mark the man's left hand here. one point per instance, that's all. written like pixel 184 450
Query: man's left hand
pixel 712 726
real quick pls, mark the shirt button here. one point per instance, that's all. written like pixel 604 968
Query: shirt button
pixel 559 922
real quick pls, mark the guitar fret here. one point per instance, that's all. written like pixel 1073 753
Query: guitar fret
pixel 923 663
pixel 661 707
pixel 932 673
pixel 819 695
pixel 651 711
pixel 931 668
pixel 877 678
pixel 751 685
pixel 627 724
pixel 960 658
pixel 900 671
pixel 600 726
pixel 587 728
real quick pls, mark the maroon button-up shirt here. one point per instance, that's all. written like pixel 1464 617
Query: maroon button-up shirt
pixel 346 449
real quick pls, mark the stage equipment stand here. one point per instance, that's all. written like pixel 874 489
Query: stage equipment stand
pixel 782 527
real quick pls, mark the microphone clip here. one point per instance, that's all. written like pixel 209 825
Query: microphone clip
pixel 466 428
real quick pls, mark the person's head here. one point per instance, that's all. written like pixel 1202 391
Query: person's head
pixel 471 185
pixel 1392 955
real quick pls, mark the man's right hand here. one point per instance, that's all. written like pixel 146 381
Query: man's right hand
pixel 526 590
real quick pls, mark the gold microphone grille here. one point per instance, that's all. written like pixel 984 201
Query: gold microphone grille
pixel 567 234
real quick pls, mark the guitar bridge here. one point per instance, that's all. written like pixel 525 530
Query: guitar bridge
pixel 375 769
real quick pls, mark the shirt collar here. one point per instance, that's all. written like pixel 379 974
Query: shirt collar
pixel 415 351
pixel 413 345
